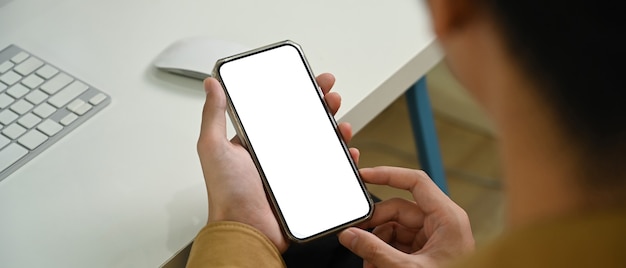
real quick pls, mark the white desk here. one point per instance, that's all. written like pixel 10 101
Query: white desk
pixel 126 189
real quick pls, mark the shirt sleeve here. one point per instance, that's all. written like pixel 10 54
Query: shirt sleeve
pixel 233 244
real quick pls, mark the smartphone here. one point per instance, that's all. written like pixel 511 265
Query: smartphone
pixel 281 118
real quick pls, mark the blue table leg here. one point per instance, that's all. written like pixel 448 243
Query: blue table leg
pixel 425 134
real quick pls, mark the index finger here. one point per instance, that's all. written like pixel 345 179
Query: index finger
pixel 326 82
pixel 401 211
pixel 425 192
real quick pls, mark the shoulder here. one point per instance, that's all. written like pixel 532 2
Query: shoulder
pixel 593 240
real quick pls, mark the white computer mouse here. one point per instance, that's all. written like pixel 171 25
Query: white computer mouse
pixel 195 56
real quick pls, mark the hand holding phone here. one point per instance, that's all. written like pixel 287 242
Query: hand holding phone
pixel 306 168
pixel 230 175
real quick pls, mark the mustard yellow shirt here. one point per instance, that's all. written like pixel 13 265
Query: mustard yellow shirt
pixel 233 244
pixel 592 240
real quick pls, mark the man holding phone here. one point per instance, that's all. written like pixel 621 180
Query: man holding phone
pixel 548 73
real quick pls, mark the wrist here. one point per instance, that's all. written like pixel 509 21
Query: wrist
pixel 221 214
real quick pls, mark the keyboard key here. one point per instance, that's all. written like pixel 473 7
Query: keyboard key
pixel 75 104
pixel 29 120
pixel 20 57
pixel 13 131
pixel 68 119
pixel 7 116
pixel 17 90
pixel 32 81
pixel 44 110
pixel 32 139
pixel 2 87
pixel 83 109
pixel 49 127
pixel 28 66
pixel 67 94
pixel 4 141
pixel 10 78
pixel 5 66
pixel 36 97
pixel 47 71
pixel 21 106
pixel 79 107
pixel 11 154
pixel 5 100
pixel 97 99
pixel 53 85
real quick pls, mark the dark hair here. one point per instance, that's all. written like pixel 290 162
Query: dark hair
pixel 574 50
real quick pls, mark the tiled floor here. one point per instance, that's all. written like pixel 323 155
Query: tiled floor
pixel 469 156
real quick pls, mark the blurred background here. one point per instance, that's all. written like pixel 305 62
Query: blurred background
pixel 468 148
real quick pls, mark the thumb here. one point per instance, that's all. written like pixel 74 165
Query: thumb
pixel 369 247
pixel 213 118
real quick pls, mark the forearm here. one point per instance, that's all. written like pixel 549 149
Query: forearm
pixel 233 244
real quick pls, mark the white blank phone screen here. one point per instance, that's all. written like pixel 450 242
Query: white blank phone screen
pixel 307 169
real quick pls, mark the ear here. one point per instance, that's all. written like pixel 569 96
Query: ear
pixel 449 16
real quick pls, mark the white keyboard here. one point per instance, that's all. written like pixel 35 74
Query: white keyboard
pixel 39 104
